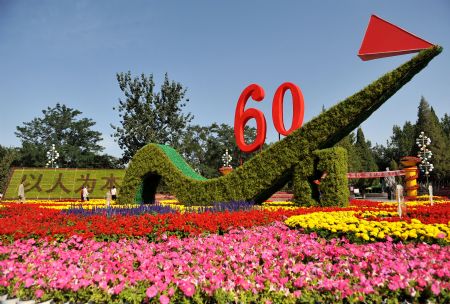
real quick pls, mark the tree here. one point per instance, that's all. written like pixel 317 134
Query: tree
pixel 148 116
pixel 362 148
pixel 399 145
pixel 354 161
pixel 73 137
pixel 402 141
pixel 32 155
pixel 428 122
pixel 445 124
pixel 203 147
pixel 7 157
pixel 382 156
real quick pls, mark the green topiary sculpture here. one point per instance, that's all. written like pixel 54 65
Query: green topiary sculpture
pixel 291 158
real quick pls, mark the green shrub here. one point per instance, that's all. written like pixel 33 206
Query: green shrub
pixel 334 187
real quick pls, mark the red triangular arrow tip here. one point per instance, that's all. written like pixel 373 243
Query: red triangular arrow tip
pixel 384 39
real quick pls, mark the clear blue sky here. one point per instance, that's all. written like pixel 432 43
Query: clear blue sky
pixel 70 51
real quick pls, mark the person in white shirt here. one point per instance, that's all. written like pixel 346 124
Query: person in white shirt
pixel 21 193
pixel 85 194
pixel 113 193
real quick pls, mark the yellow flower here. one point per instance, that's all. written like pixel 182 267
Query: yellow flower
pixel 347 222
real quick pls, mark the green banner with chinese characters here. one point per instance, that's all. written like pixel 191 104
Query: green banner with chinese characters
pixel 41 183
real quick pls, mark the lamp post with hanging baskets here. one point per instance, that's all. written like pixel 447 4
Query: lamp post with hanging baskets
pixel 424 154
pixel 226 159
pixel 52 156
pixel 425 165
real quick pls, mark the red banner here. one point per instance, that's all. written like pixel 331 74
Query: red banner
pixel 375 174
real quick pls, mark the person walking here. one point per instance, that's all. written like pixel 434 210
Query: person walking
pixel 85 194
pixel 390 185
pixel 113 193
pixel 21 193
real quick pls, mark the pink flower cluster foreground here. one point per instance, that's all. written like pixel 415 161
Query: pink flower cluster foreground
pixel 262 258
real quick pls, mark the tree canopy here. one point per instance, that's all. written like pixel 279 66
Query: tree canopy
pixel 428 122
pixel 149 116
pixel 203 147
pixel 364 153
pixel 445 124
pixel 403 142
pixel 73 137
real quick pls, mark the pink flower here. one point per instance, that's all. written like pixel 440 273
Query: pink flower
pixel 39 293
pixel 163 299
pixel 421 282
pixel 118 288
pixel 187 288
pixel 393 285
pixel 441 235
pixel 103 285
pixel 29 282
pixel 435 288
pixel 151 291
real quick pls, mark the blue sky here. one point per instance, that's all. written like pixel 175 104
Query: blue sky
pixel 70 51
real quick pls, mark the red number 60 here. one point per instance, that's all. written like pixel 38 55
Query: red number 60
pixel 241 117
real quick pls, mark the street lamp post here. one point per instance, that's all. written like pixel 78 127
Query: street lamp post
pixel 52 156
pixel 425 155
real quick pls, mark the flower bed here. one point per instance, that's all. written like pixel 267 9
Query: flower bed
pixel 35 222
pixel 364 252
pixel 256 264
pixel 346 223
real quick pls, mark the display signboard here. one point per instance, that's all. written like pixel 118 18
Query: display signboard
pixel 42 183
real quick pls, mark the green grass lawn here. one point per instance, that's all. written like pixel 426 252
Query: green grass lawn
pixel 41 183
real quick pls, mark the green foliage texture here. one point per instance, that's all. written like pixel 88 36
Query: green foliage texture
pixel 7 157
pixel 265 173
pixel 334 187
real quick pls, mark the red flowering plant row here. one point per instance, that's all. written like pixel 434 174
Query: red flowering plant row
pixel 31 221
pixel 426 214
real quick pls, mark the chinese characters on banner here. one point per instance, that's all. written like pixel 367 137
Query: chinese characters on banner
pixel 33 182
pixel 63 183
pixel 375 174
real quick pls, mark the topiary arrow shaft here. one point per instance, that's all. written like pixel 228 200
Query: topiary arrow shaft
pixel 261 176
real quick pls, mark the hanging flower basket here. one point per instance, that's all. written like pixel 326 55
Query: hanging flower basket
pixel 225 170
